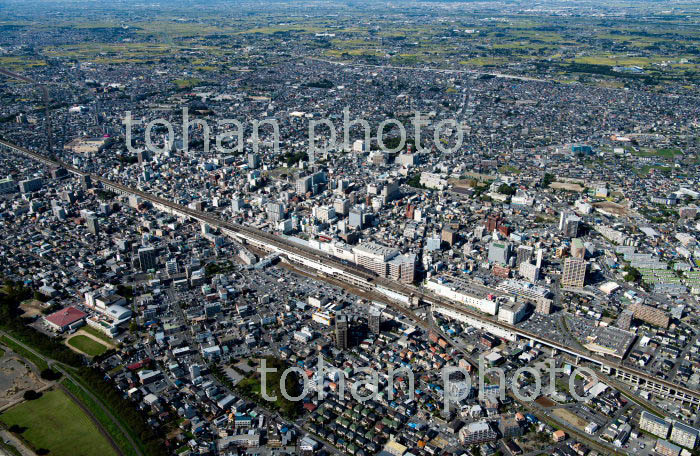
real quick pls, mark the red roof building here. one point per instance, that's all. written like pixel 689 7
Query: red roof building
pixel 64 318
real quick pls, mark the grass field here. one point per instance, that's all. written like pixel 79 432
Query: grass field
pixel 87 345
pixel 56 423
pixel 107 424
pixel 99 334
pixel 187 83
pixel 662 153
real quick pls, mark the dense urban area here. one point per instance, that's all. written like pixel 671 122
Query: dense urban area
pixel 349 228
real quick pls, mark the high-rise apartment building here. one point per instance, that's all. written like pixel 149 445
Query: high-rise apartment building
pixel 147 258
pixel 569 224
pixel 574 273
pixel 341 331
pixel 654 425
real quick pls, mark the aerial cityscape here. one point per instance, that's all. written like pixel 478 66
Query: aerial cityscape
pixel 359 228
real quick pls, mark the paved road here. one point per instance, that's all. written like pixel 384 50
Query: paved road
pixel 14 442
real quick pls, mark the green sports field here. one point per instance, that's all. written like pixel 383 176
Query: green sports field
pixel 87 345
pixel 55 423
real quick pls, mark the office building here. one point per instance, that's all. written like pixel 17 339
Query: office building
pixel 275 211
pixel 574 273
pixel 499 252
pixel 390 191
pixel 92 225
pixel 402 268
pixel 341 206
pixel 654 425
pixel 341 332
pixel 171 267
pixel 143 156
pixel 195 371
pixel 303 185
pixel 355 217
pixel 449 236
pixel 624 320
pixel 86 181
pixel 578 250
pixel 325 214
pixel 254 161
pixel 8 185
pixel 147 258
pixel 530 272
pixel 523 254
pixel 30 185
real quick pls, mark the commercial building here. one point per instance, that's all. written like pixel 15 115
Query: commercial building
pixel 651 315
pixel 465 292
pixel 385 261
pixel 30 185
pixel 374 257
pixel 512 313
